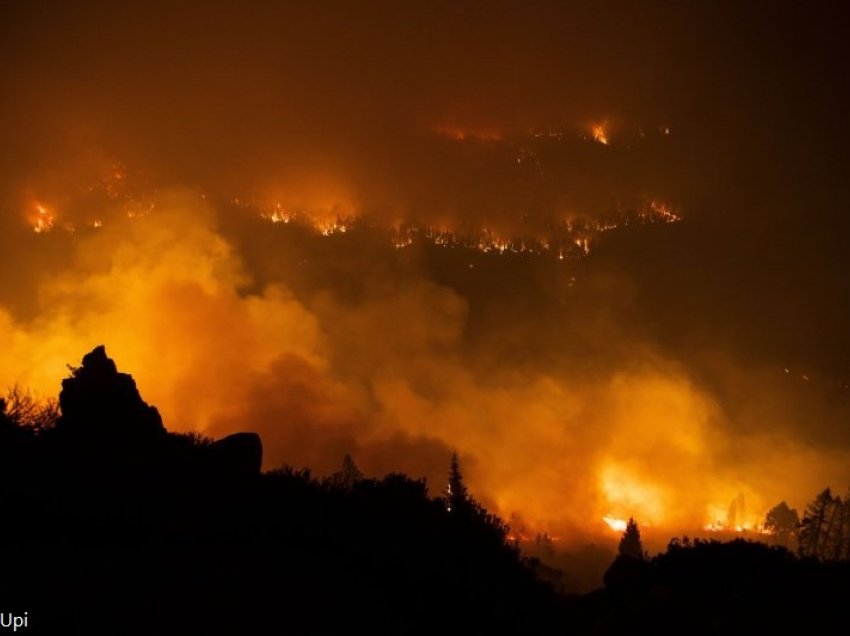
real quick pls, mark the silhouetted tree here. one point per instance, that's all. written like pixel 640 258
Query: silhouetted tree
pixel 457 497
pixel 825 529
pixel 25 411
pixel 196 439
pixel 736 514
pixel 782 522
pixel 517 528
pixel 543 544
pixel 629 572
pixel 348 475
pixel 630 545
pixel 837 530
pixel 468 513
pixel 8 427
pixel 843 549
pixel 813 528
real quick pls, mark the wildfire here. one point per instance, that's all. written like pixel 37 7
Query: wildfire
pixel 599 134
pixel 736 519
pixel 278 215
pixel 583 244
pixel 624 490
pixel 618 525
pixel 335 226
pixel 564 240
pixel 570 240
pixel 44 219
pixel 746 528
pixel 659 211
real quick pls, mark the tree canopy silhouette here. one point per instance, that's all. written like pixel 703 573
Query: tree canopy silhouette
pixel 824 531
pixel 178 533
pixel 457 497
pixel 348 474
pixel 782 522
pixel 630 544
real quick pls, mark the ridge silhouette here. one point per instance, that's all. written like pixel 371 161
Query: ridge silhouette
pixel 177 533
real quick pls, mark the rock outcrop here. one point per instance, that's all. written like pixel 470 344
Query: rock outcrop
pixel 99 401
pixel 239 455
pixel 105 421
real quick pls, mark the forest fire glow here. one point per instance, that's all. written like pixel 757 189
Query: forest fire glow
pixel 721 527
pixel 736 519
pixel 599 134
pixel 196 267
pixel 43 219
pixel 617 525
pixel 623 490
pixel 272 271
pixel 571 240
pixel 539 265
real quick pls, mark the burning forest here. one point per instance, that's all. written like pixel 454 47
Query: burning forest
pixel 598 255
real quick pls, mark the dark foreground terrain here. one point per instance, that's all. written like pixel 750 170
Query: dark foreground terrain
pixel 112 525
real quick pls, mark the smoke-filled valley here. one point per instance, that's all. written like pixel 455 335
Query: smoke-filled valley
pixel 589 251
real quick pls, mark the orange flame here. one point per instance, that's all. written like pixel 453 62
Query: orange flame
pixel 599 134
pixel 43 220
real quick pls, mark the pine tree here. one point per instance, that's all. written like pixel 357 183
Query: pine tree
pixel 349 474
pixel 843 548
pixel 837 530
pixel 468 513
pixel 736 515
pixel 350 470
pixel 457 497
pixel 630 545
pixel 813 527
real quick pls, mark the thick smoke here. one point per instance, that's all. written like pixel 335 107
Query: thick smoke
pixel 677 366
pixel 384 367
